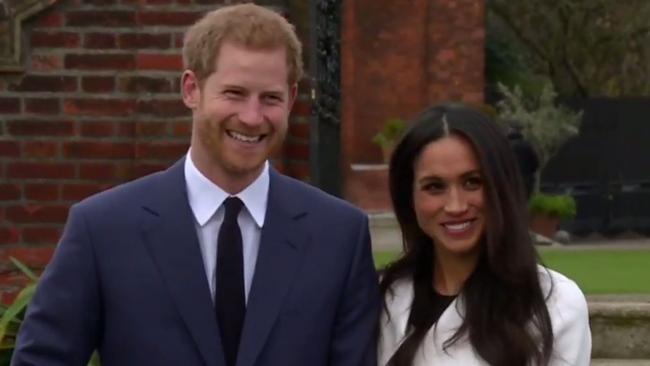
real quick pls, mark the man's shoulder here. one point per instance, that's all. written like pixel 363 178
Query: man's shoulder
pixel 123 195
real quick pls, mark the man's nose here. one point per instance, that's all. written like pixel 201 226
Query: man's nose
pixel 251 114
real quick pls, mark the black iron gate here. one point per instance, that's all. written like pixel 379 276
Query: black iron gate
pixel 607 167
pixel 325 68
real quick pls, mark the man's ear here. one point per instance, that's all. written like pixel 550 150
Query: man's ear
pixel 190 89
pixel 293 92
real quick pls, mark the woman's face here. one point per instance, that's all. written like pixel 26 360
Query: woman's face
pixel 448 196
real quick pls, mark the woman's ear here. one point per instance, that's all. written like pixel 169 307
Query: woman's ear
pixel 190 89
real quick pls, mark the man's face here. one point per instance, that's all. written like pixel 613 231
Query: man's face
pixel 240 114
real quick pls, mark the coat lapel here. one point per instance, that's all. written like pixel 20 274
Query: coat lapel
pixel 171 239
pixel 281 246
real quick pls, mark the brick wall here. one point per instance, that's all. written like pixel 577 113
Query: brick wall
pixel 97 104
pixel 396 60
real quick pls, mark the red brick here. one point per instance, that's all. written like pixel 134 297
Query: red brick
pixel 176 84
pixel 77 192
pixel 99 107
pixel 182 129
pixel 297 151
pixel 10 149
pixel 299 130
pixel 160 150
pixel 149 129
pixel 41 235
pixel 159 62
pixel 9 235
pixel 124 171
pixel 304 85
pixel 97 128
pixel 178 40
pixel 142 169
pixel 9 105
pixel 49 19
pixel 47 128
pixel 98 84
pixel 9 192
pixel 100 18
pixel 125 129
pixel 42 192
pixel 158 2
pixel 144 41
pixel 299 170
pixel 100 62
pixel 144 84
pixel 47 106
pixel 55 39
pixel 279 165
pixel 39 170
pixel 163 108
pixel 97 149
pixel 36 257
pixel 204 2
pixel 37 213
pixel 45 83
pixel 46 62
pixel 97 171
pixel 100 2
pixel 168 18
pixel 301 108
pixel 40 149
pixel 100 41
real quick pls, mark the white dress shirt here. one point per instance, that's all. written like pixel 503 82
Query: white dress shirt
pixel 206 200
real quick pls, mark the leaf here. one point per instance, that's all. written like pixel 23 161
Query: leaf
pixel 21 302
pixel 24 269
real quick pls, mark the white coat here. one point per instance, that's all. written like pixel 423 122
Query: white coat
pixel 567 308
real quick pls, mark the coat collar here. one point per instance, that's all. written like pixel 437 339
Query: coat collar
pixel 394 320
pixel 171 238
pixel 282 245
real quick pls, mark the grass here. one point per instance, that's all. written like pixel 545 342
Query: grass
pixel 597 271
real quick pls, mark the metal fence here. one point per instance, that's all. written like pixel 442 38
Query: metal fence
pixel 606 168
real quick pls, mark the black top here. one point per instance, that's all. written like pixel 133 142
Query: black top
pixel 440 303
pixel 427 312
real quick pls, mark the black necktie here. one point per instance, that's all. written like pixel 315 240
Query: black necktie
pixel 230 303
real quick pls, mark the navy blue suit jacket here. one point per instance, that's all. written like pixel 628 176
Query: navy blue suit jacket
pixel 127 279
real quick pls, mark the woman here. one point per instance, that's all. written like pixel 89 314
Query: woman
pixel 468 289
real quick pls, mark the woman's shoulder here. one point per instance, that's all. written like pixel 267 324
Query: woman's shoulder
pixel 558 284
pixel 563 295
pixel 394 318
pixel 399 295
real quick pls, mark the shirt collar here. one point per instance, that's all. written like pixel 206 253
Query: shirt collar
pixel 206 197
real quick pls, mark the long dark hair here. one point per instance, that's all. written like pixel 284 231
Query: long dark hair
pixel 503 295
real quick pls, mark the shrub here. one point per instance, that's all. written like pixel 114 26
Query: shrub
pixel 562 206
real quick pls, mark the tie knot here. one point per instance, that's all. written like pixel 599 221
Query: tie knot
pixel 233 206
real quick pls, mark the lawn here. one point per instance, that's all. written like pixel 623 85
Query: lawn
pixel 597 271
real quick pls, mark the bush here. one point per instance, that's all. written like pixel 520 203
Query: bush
pixel 562 206
pixel 390 133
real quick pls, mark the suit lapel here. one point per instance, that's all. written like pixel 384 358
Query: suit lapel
pixel 281 247
pixel 172 241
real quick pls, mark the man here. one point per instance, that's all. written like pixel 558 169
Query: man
pixel 219 260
